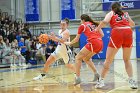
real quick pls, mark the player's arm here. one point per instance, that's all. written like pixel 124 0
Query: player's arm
pixel 76 39
pixel 105 21
pixel 131 22
pixel 61 40
pixel 101 33
pixel 101 25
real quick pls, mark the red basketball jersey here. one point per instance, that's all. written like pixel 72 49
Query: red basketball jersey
pixel 119 20
pixel 88 29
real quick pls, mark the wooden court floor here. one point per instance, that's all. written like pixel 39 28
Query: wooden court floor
pixel 60 80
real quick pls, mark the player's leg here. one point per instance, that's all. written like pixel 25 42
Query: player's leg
pixel 71 67
pixel 110 54
pixel 89 62
pixel 126 58
pixel 79 57
pixel 128 67
pixel 49 61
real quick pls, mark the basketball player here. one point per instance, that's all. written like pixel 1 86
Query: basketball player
pixel 62 50
pixel 93 46
pixel 121 36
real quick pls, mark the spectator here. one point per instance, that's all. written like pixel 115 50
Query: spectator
pixel 26 29
pixel 7 58
pixel 49 50
pixel 28 47
pixel 38 45
pixel 2 33
pixel 17 55
pixel 2 47
pixel 8 45
pixel 19 36
pixel 22 47
pixel 41 53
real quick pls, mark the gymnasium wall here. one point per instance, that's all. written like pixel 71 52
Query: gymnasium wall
pixel 50 10
pixel 5 5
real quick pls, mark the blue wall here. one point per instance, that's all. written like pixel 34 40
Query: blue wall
pixel 138 42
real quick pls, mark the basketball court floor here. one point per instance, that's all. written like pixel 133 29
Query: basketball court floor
pixel 60 79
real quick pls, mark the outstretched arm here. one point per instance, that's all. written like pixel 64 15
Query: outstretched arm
pixel 101 33
pixel 57 39
pixel 76 39
pixel 105 21
pixel 131 22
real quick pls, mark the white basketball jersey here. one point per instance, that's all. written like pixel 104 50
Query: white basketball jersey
pixel 62 50
pixel 62 46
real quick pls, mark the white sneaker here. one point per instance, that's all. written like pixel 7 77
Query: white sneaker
pixel 100 84
pixel 40 77
pixel 24 65
pixel 133 84
pixel 20 64
pixel 12 65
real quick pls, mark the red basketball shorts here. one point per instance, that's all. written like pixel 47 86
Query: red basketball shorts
pixel 121 38
pixel 94 45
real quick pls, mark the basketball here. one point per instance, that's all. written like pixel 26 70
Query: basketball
pixel 43 38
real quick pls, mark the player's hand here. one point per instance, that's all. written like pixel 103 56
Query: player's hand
pixel 67 43
pixel 52 36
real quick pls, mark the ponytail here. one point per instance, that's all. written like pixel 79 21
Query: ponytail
pixel 116 7
pixel 94 22
pixel 88 18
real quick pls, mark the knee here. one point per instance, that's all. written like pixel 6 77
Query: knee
pixel 86 59
pixel 77 57
pixel 126 60
pixel 109 60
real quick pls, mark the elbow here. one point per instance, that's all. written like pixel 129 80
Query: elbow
pixel 132 24
pixel 102 35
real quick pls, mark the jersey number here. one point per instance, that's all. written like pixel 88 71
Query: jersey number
pixel 120 17
pixel 91 27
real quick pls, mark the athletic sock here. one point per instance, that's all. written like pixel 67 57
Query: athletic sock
pixel 43 75
pixel 130 78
